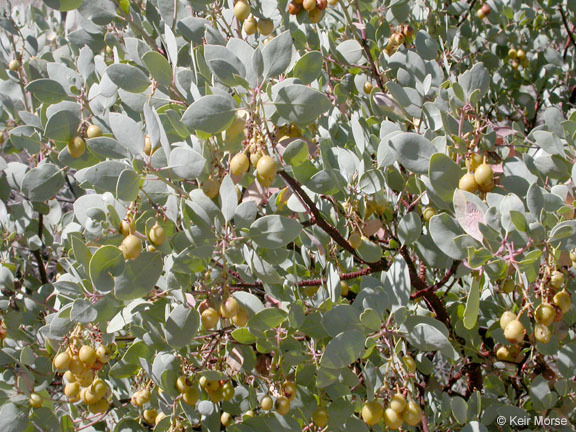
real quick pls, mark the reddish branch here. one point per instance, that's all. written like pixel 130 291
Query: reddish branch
pixel 565 22
pixel 316 216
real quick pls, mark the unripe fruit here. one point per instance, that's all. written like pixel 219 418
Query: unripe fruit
pixel 344 289
pixel 332 2
pixel 103 354
pixel 355 240
pixel 131 247
pixel 99 407
pixel 216 396
pixel 294 8
pixel 239 164
pixel 87 355
pixel 392 419
pixel 514 332
pixel 209 318
pixel 228 391
pixel 266 403
pixel 508 286
pixel 210 386
pixel 99 388
pixel 542 333
pixel 573 255
pixel 143 397
pixel 399 38
pixel 241 318
pixel 289 389
pixel 504 354
pixel 147 145
pixel 309 4
pixel 84 377
pixel 62 361
pixel 211 188
pixel 35 400
pixel 512 53
pixel 468 183
pixel 149 416
pixel 88 397
pixel 545 314
pixel 412 415
pixel 14 65
pixel 265 26
pixel 521 54
pixel 241 10
pixel 229 307
pixel 127 227
pixel 320 417
pixel 315 15
pixel 250 25
pixel 157 235
pixel 76 366
pixel 557 279
pixel 190 396
pixel 321 4
pixel 264 181
pixel 474 161
pixel 93 131
pixel 266 167
pixel 182 384
pixel 72 390
pixel 563 301
pixel 225 419
pixel 398 403
pixel 69 377
pixel 282 405
pixel 372 413
pixel 427 213
pixel 506 318
pixel 368 87
pixel 483 175
pixel 76 147
pixel 409 363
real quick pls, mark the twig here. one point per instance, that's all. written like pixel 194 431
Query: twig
pixel 318 218
pixel 565 22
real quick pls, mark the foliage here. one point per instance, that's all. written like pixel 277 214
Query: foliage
pixel 283 221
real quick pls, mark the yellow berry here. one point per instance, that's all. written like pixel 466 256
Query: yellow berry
pixel 131 247
pixel 398 403
pixel 506 318
pixel 87 355
pixel 282 405
pixel 241 10
pixel 76 147
pixel 514 332
pixel 209 318
pixel 241 318
pixel 157 235
pixel 266 403
pixel 35 400
pixel 62 361
pixel 372 413
pixel 93 131
pixel 229 307
pixel 239 164
pixel 392 419
pixel 320 417
pixel 468 183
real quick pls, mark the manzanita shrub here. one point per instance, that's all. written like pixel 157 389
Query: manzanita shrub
pixel 342 215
